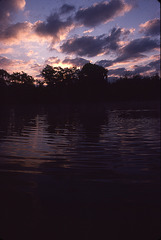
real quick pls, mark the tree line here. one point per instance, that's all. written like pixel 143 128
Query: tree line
pixel 72 84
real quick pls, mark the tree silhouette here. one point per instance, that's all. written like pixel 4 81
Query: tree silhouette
pixel 48 74
pixel 52 75
pixel 55 76
pixel 21 78
pixel 93 82
pixel 93 73
pixel 4 77
pixel 71 75
pixel 74 85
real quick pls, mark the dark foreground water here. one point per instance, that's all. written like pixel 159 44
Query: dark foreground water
pixel 87 171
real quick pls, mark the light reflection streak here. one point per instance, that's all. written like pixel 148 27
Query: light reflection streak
pixel 20 171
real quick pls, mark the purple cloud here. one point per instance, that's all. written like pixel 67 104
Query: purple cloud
pixel 92 46
pixel 105 63
pixel 119 72
pixel 5 61
pixel 53 27
pixel 66 8
pixel 101 12
pixel 14 31
pixel 136 48
pixel 79 62
pixel 8 8
pixel 151 27
pixel 84 46
pixel 52 60
pixel 152 66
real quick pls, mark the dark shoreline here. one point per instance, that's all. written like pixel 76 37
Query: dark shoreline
pixel 145 89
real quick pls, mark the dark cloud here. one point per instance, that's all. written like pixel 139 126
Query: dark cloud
pixel 79 62
pixel 53 27
pixel 118 71
pixel 84 46
pixel 115 36
pixel 92 46
pixel 140 45
pixel 152 66
pixel 14 31
pixel 140 69
pixel 136 48
pixel 151 27
pixel 155 65
pixel 66 8
pixel 101 12
pixel 8 8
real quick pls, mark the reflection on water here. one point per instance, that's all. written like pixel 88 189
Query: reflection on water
pixel 83 171
pixel 83 138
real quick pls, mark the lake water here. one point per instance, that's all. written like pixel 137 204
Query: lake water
pixel 80 171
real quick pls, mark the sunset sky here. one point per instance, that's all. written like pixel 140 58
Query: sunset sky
pixel 123 36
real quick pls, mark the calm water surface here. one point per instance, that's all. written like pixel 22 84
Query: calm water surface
pixel 80 171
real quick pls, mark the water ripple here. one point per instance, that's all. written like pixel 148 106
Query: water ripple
pixel 83 140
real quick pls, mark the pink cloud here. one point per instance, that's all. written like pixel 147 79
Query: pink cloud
pixel 17 65
pixel 52 60
pixel 53 28
pixel 15 32
pixel 21 32
pixel 151 27
pixel 6 50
